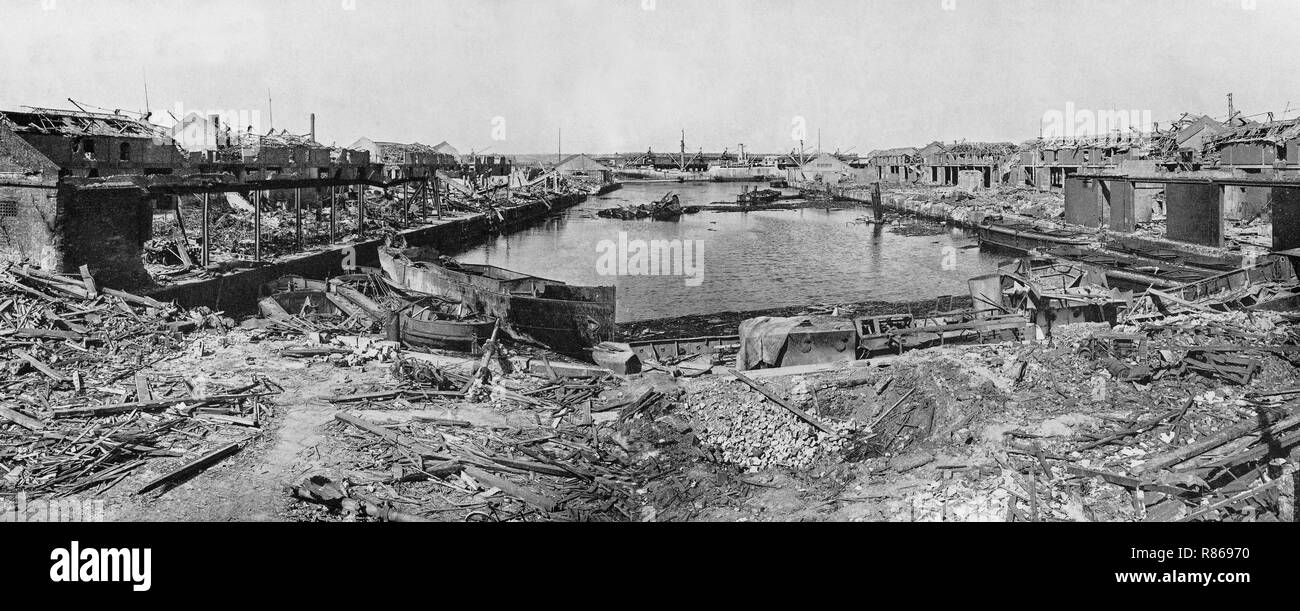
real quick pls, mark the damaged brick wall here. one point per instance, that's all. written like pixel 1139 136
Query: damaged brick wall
pixel 105 227
pixel 27 202
pixel 26 225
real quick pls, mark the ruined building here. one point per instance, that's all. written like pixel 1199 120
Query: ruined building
pixel 72 190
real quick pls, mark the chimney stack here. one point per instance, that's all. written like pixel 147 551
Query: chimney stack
pixel 313 127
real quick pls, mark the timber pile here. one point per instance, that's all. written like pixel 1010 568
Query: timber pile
pixel 538 447
pixel 77 415
pixel 558 473
pixel 1187 418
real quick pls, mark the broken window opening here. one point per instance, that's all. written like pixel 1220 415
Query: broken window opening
pixel 124 152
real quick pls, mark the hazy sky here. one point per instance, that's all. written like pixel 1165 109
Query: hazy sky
pixel 626 74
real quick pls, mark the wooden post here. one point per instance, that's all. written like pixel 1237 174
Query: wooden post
pixel 207 250
pixel 875 201
pixel 406 205
pixel 424 201
pixel 297 213
pixel 257 225
pixel 437 196
pixel 334 211
pixel 361 210
pixel 1286 488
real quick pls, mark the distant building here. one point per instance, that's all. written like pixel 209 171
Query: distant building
pixel 269 156
pixel 994 161
pixel 896 165
pixel 582 165
pixel 399 160
pixel 826 168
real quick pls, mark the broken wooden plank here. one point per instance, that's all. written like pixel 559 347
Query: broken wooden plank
pixel 1185 453
pixel 21 419
pixel 391 436
pixel 1162 296
pixel 779 401
pixel 1135 429
pixel 540 501
pixel 48 334
pixel 1232 500
pixel 89 281
pixel 194 466
pixel 891 408
pixel 142 391
pixel 144 406
pixel 1256 453
pixel 392 394
pixel 40 365
pixel 1130 482
pixel 227 419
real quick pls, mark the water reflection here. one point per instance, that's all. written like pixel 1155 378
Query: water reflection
pixel 751 260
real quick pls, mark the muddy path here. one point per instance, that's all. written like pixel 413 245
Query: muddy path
pixel 249 486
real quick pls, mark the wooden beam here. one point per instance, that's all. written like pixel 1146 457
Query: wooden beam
pixel 779 401
pixel 22 420
pixel 89 281
pixel 144 406
pixel 1185 453
pixel 40 365
pixel 192 467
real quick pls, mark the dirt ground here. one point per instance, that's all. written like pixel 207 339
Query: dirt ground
pixel 250 486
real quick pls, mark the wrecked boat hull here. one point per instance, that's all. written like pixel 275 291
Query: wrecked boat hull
pixel 450 334
pixel 1025 239
pixel 568 319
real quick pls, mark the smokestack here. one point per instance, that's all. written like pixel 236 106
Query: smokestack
pixel 313 127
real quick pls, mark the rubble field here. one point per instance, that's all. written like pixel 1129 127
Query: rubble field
pixel 169 414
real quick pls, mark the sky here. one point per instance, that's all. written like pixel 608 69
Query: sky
pixel 537 76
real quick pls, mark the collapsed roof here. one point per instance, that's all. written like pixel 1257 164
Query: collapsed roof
pixel 1275 133
pixel 71 123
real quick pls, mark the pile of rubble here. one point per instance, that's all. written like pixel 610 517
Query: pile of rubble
pixel 77 413
pixel 957 205
pixel 754 433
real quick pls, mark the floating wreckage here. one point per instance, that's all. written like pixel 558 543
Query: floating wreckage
pixel 668 208
pixel 758 196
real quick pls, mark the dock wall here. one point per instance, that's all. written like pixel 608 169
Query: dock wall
pixel 964 216
pixel 237 293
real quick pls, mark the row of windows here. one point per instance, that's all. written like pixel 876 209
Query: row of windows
pixel 86 147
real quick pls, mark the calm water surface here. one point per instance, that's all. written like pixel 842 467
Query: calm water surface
pixel 750 260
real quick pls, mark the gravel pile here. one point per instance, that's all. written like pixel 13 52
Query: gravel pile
pixel 755 433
